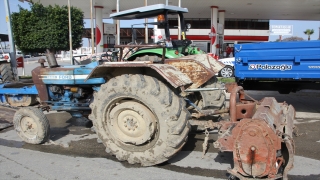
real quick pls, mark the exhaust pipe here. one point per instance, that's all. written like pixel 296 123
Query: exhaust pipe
pixel 51 59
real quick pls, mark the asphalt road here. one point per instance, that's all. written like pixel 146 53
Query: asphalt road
pixel 73 151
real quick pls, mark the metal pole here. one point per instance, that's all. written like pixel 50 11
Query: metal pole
pixel 2 47
pixel 70 33
pixel 166 2
pixel 12 46
pixel 146 39
pixel 118 24
pixel 92 32
pixel 155 30
pixel 23 71
pixel 179 24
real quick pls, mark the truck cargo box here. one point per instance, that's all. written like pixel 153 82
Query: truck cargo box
pixel 278 61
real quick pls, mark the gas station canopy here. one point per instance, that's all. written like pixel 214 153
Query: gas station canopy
pixel 240 9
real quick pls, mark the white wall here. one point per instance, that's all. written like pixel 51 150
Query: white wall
pixel 227 32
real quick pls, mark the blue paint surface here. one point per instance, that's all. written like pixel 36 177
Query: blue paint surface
pixel 76 74
pixel 276 60
pixel 15 91
pixel 62 76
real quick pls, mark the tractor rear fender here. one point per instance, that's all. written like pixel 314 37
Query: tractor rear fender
pixel 162 72
pixel 200 68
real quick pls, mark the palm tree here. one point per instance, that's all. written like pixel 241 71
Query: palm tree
pixel 309 32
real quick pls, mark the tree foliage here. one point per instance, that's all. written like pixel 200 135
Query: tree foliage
pixel 292 38
pixel 44 28
pixel 308 32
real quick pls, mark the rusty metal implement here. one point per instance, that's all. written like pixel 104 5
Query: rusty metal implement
pixel 259 133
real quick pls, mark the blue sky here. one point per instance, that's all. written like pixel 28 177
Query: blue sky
pixel 298 26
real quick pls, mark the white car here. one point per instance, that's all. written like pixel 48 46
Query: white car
pixel 228 70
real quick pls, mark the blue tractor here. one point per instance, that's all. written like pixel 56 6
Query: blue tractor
pixel 139 102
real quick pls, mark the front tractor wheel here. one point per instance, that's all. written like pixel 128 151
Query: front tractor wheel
pixel 139 119
pixel 31 125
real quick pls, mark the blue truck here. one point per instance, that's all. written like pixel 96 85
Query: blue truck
pixel 282 66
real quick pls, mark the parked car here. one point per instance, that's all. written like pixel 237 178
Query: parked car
pixel 228 70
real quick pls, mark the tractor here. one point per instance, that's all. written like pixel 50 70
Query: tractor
pixel 174 48
pixel 143 110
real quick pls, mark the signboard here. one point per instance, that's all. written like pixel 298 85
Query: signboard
pixel 20 62
pixel 109 28
pixel 281 29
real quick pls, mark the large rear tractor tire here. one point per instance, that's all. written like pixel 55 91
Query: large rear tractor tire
pixel 6 72
pixel 213 99
pixel 31 125
pixel 139 119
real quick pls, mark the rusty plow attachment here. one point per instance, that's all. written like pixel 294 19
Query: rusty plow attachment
pixel 259 133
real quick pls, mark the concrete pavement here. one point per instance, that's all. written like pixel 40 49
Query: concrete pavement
pixel 73 152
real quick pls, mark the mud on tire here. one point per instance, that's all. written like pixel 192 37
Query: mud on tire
pixel 139 119
pixel 6 72
pixel 31 125
pixel 213 99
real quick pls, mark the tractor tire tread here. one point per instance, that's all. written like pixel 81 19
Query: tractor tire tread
pixel 43 131
pixel 168 107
